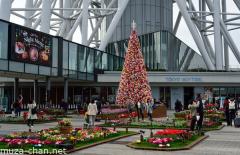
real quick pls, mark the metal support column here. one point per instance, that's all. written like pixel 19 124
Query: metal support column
pixel 183 8
pixel 28 14
pixel 200 26
pixel 16 85
pixel 46 16
pixel 237 2
pixel 217 36
pixel 66 90
pixel 35 90
pixel 226 34
pixel 5 9
pixel 48 89
pixel 121 8
pixel 85 16
pixel 98 24
pixel 225 45
pixel 66 25
pixel 178 20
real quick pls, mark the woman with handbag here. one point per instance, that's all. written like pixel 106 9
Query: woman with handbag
pixel 92 112
pixel 32 114
pixel 193 111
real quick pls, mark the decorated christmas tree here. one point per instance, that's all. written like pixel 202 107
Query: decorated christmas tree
pixel 134 86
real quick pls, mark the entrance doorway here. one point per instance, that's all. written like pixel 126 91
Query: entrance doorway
pixel 165 96
pixel 188 96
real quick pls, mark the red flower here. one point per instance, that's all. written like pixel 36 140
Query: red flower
pixel 123 116
pixel 133 114
pixel 170 132
pixel 47 142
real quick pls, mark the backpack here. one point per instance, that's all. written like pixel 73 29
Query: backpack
pixel 34 110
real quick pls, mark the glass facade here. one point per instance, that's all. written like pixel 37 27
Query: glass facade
pixel 149 15
pixel 162 51
pixel 3 40
pixel 69 60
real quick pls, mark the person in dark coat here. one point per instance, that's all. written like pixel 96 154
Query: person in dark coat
pixel 226 110
pixel 64 105
pixel 99 106
pixel 18 106
pixel 178 106
pixel 140 110
pixel 200 112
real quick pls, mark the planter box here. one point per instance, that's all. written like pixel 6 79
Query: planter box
pixel 65 130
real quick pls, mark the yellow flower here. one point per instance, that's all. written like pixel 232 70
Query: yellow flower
pixel 72 138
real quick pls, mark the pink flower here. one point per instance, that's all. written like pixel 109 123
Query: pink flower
pixel 7 140
pixel 2 139
pixel 150 140
pixel 58 142
pixel 158 141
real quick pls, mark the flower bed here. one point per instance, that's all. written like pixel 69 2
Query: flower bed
pixel 54 138
pixel 113 111
pixel 182 114
pixel 23 120
pixel 109 113
pixel 211 112
pixel 208 125
pixel 169 123
pixel 168 140
pixel 54 112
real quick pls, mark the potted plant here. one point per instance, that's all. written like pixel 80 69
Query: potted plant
pixel 65 126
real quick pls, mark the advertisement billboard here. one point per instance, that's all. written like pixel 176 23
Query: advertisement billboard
pixel 32 47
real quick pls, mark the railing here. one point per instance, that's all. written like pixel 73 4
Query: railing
pixel 53 106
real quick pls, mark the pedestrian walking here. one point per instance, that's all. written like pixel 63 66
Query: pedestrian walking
pixel 200 112
pixel 32 114
pixel 149 108
pixel 226 110
pixel 232 110
pixel 92 112
pixel 193 111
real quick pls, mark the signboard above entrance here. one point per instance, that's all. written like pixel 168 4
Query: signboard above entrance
pixel 183 79
pixel 32 47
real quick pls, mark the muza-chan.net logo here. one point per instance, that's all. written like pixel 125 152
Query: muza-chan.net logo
pixel 33 151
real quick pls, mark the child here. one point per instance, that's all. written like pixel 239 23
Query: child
pixel 86 120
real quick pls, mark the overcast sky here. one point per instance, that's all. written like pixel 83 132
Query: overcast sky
pixel 183 32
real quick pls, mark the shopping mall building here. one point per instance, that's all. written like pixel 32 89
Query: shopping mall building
pixel 44 67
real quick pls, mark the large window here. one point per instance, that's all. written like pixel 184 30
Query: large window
pixel 115 63
pixel 98 59
pixel 72 56
pixel 157 51
pixel 110 62
pixel 65 58
pixel 90 61
pixel 3 40
pixel 104 61
pixel 65 55
pixel 55 53
pixel 82 59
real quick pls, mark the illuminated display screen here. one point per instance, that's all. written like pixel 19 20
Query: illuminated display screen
pixel 32 47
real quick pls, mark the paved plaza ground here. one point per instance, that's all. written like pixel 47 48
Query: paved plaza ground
pixel 222 142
